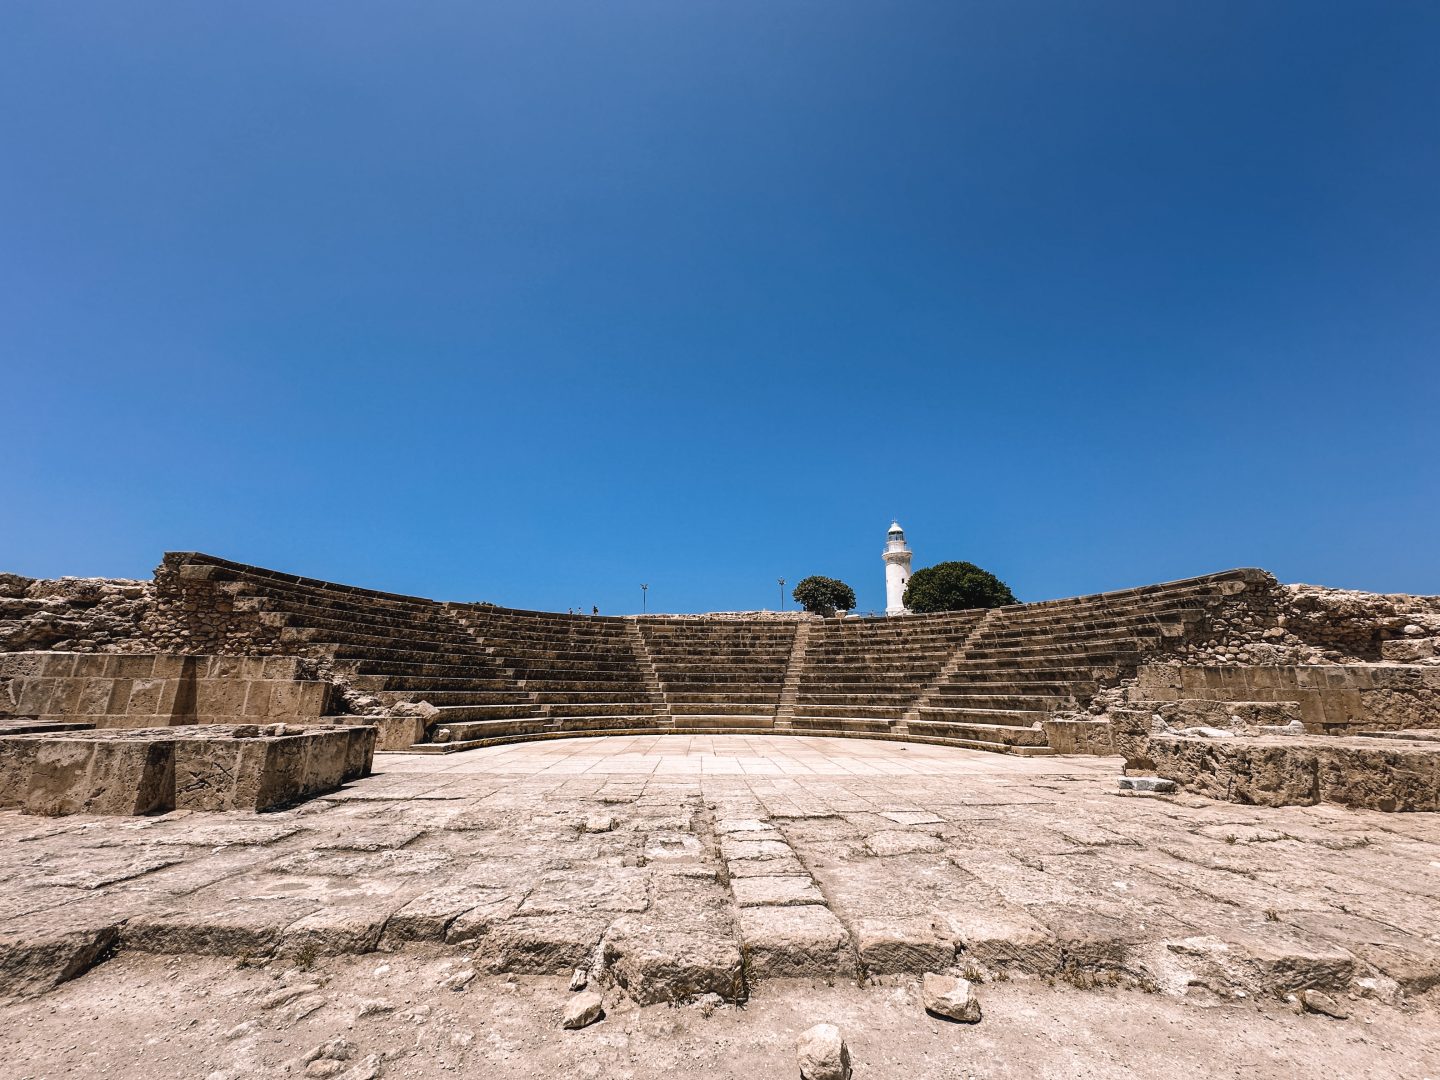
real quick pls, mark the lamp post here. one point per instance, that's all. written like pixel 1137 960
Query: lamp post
pixel 644 599
pixel 782 593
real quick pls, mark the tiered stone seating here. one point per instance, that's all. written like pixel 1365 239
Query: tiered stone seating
pixel 583 674
pixel 861 675
pixel 1026 661
pixel 721 675
pixel 398 648
pixel 973 678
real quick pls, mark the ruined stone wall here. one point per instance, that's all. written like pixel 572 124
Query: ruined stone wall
pixel 1289 625
pixel 87 615
pixel 197 610
pixel 1348 625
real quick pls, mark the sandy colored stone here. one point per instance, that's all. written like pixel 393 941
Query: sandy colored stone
pixel 795 941
pixel 787 890
pixel 950 997
pixel 582 1010
pixel 822 1054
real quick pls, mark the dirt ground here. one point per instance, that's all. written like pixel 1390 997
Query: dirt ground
pixel 158 1018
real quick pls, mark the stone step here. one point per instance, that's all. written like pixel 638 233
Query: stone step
pixel 754 721
pixel 398 684
pixel 839 700
pixel 986 717
pixel 459 714
pixel 441 629
pixel 1019 653
pixel 733 675
pixel 441 698
pixel 722 708
pixel 1005 734
pixel 583 709
pixel 401 655
pixel 1000 701
pixel 598 660
pixel 857 712
pixel 407 669
pixel 566 697
pixel 357 601
pixel 579 678
pixel 842 725
pixel 1052 687
pixel 316 636
pixel 1062 628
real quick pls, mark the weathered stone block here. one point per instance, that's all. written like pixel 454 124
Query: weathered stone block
pixel 76 775
pixel 1302 771
pixel 803 941
pixel 1080 737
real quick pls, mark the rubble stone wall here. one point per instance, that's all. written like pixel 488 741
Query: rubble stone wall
pixel 74 614
pixel 156 690
pixel 198 611
pixel 1347 624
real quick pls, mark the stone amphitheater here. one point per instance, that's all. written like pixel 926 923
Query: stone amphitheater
pixel 258 824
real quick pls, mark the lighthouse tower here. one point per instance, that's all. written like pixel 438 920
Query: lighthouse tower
pixel 897 569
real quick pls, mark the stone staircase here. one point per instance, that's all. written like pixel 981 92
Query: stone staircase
pixel 719 675
pixel 664 717
pixel 790 688
pixel 585 676
pixel 861 675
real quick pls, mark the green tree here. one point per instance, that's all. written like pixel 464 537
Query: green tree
pixel 824 595
pixel 955 586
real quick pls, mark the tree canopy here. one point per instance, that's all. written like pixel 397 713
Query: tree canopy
pixel 823 595
pixel 955 586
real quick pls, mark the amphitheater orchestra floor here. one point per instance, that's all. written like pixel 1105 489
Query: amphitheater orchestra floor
pixel 736 755
pixel 431 914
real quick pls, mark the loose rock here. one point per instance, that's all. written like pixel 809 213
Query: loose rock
pixel 1316 1002
pixel 582 1011
pixel 461 980
pixel 823 1054
pixel 1147 783
pixel 951 998
pixel 579 979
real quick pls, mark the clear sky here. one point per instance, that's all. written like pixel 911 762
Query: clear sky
pixel 533 302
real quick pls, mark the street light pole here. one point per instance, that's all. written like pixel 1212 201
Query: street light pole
pixel 644 599
pixel 782 593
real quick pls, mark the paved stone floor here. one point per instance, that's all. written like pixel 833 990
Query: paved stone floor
pixel 714 863
pixel 805 874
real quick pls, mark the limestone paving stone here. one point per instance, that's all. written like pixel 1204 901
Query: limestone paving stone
pixel 782 891
pixel 773 867
pixel 231 927
pixel 807 941
pixel 891 946
pixel 428 916
pixel 601 888
pixel 655 958
pixel 541 944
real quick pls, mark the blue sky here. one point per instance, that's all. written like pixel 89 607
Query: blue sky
pixel 533 302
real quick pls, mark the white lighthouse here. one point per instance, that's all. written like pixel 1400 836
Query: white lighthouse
pixel 897 569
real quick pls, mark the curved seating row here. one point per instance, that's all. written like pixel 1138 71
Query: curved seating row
pixel 974 678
